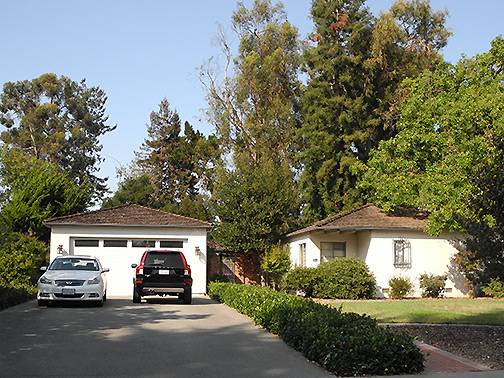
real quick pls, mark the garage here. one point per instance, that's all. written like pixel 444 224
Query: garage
pixel 119 235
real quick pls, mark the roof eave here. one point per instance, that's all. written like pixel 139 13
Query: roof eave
pixel 350 229
pixel 51 224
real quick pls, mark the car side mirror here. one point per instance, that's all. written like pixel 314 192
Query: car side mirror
pixel 105 270
pixel 134 266
pixel 43 268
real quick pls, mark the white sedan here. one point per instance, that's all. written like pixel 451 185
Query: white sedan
pixel 73 278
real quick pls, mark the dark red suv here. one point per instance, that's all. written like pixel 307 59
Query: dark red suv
pixel 162 273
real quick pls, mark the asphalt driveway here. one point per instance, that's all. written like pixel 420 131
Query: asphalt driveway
pixel 158 339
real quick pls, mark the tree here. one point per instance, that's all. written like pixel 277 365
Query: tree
pixel 355 69
pixel 131 189
pixel 255 114
pixel 257 111
pixel 447 157
pixel 253 205
pixel 59 121
pixel 172 171
pixel 40 193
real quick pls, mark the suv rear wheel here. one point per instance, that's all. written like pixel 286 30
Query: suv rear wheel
pixel 187 296
pixel 136 297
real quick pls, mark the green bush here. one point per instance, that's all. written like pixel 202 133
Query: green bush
pixel 495 288
pixel 345 278
pixel 21 257
pixel 400 287
pixel 432 286
pixel 300 279
pixel 345 344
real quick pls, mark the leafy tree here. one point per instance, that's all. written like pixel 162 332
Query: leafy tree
pixel 59 121
pixel 447 157
pixel 138 190
pixel 257 111
pixel 253 205
pixel 39 193
pixel 355 68
pixel 255 114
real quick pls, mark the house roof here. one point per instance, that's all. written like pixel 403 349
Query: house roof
pixel 127 215
pixel 369 217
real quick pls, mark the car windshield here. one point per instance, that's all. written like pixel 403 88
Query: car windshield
pixel 74 264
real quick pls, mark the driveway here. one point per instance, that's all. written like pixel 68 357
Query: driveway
pixel 158 339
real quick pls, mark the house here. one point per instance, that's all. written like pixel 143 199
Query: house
pixel 390 244
pixel 118 236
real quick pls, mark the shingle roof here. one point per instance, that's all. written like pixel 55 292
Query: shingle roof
pixel 369 217
pixel 127 215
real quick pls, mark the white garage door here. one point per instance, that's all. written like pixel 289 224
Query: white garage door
pixel 118 255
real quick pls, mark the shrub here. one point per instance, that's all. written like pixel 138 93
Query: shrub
pixel 345 278
pixel 495 288
pixel 21 257
pixel 300 279
pixel 400 287
pixel 276 261
pixel 345 344
pixel 432 286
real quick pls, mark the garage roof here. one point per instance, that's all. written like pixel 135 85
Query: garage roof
pixel 369 217
pixel 127 215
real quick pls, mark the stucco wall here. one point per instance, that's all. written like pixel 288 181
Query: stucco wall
pixel 119 259
pixel 429 255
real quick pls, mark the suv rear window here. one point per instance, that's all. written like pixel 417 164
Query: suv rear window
pixel 164 259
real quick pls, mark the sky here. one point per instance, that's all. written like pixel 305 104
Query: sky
pixel 140 52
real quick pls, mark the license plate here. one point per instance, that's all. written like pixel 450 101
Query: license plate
pixel 68 291
pixel 164 271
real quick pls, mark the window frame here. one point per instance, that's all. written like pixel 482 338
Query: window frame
pixel 402 253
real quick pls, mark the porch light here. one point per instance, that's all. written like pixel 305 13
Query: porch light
pixel 197 251
pixel 59 249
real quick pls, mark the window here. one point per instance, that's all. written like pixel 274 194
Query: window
pixel 302 255
pixel 332 250
pixel 86 243
pixel 402 253
pixel 115 243
pixel 143 243
pixel 171 244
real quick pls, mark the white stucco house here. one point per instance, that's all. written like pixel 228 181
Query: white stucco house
pixel 118 236
pixel 390 244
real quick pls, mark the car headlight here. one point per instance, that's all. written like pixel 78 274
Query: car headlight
pixel 44 280
pixel 94 281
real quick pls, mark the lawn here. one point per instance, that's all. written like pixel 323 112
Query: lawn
pixel 434 311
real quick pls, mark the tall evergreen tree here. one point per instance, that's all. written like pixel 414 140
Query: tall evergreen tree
pixel 355 68
pixel 173 169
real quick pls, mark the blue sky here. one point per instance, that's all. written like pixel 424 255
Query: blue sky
pixel 140 52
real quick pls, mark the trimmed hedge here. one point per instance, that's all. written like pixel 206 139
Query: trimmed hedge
pixel 345 344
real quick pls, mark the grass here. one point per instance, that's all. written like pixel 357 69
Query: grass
pixel 437 311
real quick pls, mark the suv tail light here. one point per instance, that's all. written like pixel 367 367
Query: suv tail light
pixel 139 269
